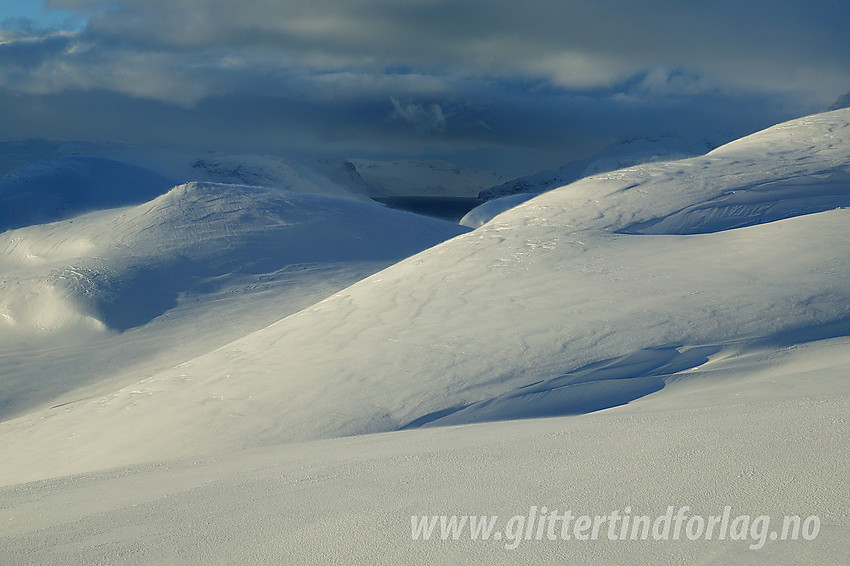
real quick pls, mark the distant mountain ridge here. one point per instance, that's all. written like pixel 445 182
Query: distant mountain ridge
pixel 357 179
pixel 842 101
pixel 628 151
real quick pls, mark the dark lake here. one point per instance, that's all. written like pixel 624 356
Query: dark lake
pixel 447 208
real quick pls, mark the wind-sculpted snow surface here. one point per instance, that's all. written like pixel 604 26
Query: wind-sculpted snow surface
pixel 765 177
pixel 762 203
pixel 483 213
pixel 600 385
pixel 790 169
pixel 126 266
pixel 81 280
pixel 562 282
pixel 684 327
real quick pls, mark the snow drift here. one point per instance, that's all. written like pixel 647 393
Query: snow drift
pixel 559 283
pixel 685 327
pixel 111 271
pixel 129 265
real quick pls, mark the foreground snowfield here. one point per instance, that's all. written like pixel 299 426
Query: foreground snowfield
pixel 683 324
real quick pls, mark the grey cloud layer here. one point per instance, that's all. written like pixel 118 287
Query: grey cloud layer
pixel 421 75
pixel 582 43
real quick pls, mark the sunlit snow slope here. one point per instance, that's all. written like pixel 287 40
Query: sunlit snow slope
pixel 141 288
pixel 584 298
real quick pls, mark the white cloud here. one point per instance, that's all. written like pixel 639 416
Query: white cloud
pixel 58 62
pixel 423 117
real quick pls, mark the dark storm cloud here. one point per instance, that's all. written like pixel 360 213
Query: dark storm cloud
pixel 449 77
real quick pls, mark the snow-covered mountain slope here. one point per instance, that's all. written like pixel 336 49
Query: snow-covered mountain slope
pixel 187 255
pixel 256 170
pixel 710 295
pixel 842 101
pixel 762 436
pixel 344 172
pixel 15 154
pixel 357 179
pixel 561 305
pixel 626 152
pixel 408 177
pixel 331 176
pixel 44 191
pixel 751 196
pixel 486 211
pixel 40 162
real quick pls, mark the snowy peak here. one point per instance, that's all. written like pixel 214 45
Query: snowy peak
pixel 137 289
pixel 64 179
pixel 266 171
pixel 126 266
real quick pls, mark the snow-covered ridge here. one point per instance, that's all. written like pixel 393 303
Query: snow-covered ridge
pixel 684 327
pixel 75 177
pixel 356 179
pixel 626 152
pixel 767 176
pixel 842 101
pixel 78 282
pixel 544 295
pixel 485 212
pixel 266 171
pixel 198 231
